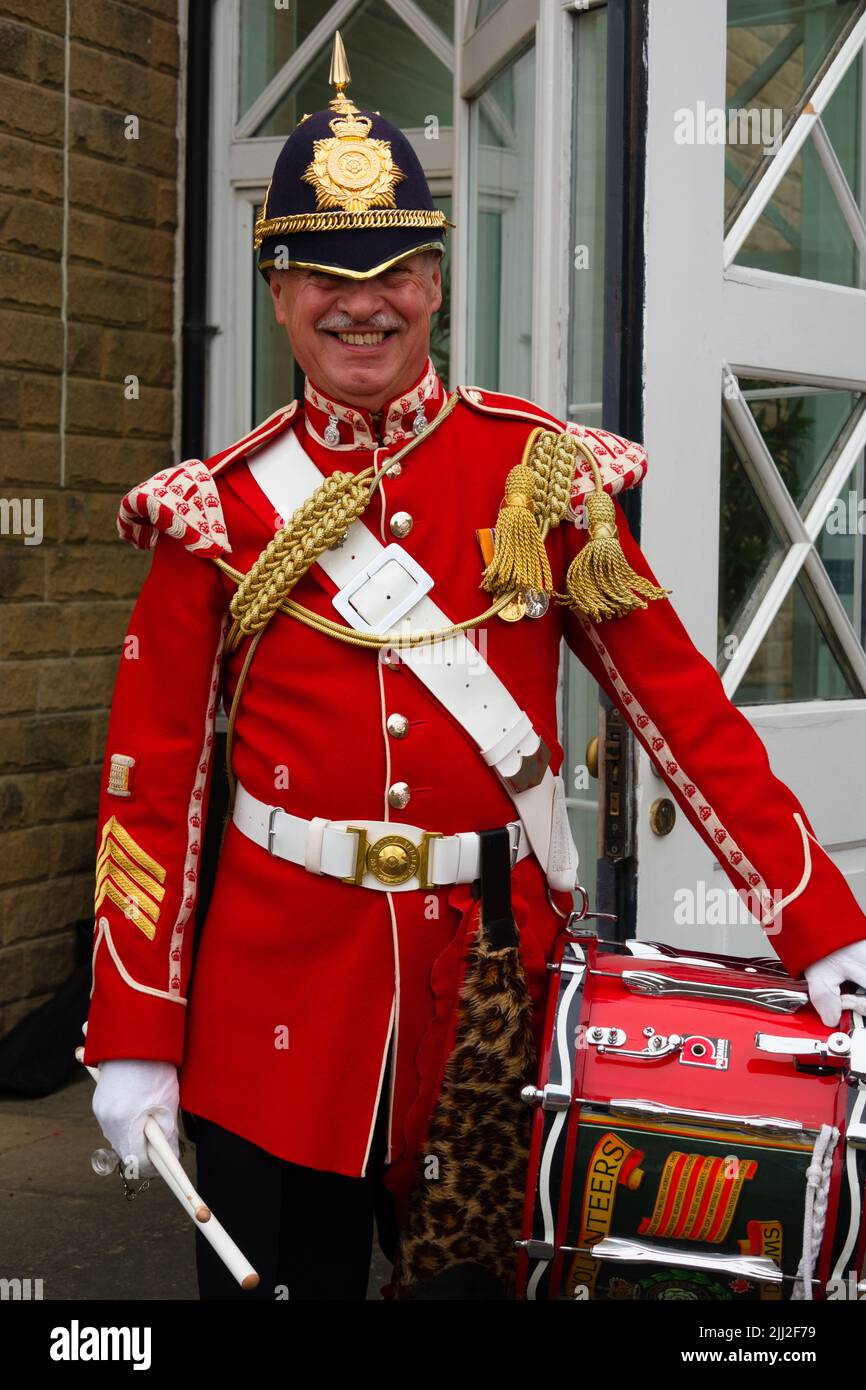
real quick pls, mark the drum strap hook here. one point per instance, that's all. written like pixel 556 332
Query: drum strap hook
pixel 581 913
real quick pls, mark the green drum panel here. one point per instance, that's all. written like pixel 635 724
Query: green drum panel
pixel 683 1188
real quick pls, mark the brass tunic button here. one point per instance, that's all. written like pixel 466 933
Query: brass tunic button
pixel 399 794
pixel 397 725
pixel 401 524
pixel 475 395
pixel 395 470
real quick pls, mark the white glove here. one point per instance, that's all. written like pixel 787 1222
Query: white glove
pixel 127 1092
pixel 825 977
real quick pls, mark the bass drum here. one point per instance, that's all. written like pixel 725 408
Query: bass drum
pixel 699 1133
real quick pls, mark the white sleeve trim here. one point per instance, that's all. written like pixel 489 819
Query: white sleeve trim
pixel 104 930
pixel 770 915
pixel 195 825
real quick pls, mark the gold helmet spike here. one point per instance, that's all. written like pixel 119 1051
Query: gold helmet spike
pixel 340 77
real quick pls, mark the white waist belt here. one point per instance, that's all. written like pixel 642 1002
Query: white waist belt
pixel 386 855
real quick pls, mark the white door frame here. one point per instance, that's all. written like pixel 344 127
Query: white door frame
pixel 706 318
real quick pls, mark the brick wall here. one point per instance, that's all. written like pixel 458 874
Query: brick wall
pixel 66 601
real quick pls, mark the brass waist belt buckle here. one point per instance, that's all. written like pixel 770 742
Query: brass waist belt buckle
pixel 393 859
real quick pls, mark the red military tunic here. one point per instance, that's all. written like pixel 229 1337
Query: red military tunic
pixel 303 981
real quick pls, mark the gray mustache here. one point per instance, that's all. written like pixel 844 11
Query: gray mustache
pixel 380 322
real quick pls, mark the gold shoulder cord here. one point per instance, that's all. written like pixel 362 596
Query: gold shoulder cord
pixel 600 582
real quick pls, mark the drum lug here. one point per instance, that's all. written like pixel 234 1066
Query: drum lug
pixel 548 1097
pixel 537 1249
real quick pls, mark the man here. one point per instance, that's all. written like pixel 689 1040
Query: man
pixel 396 802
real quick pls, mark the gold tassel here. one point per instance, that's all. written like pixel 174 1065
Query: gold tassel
pixel 519 557
pixel 600 581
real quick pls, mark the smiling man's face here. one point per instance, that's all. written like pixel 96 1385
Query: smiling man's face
pixel 360 341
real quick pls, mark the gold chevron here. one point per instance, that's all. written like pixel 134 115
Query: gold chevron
pixel 112 853
pixel 127 907
pixel 129 877
pixel 126 885
pixel 114 828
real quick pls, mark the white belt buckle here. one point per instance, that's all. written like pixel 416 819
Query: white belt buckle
pixel 515 848
pixel 272 829
pixel 397 583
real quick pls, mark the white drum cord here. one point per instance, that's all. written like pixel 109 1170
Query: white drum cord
pixel 857 1116
pixel 817 1192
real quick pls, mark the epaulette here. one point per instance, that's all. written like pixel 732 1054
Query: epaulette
pixel 260 435
pixel 183 501
pixel 622 462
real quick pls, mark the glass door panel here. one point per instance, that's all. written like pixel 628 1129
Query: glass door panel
pixel 751 551
pixel 802 427
pixel 803 230
pixel 484 8
pixel 803 430
pixel 502 200
pixel 392 68
pixel 273 363
pixel 586 320
pixel 268 38
pixel 441 12
pixel 774 52
pixel 795 661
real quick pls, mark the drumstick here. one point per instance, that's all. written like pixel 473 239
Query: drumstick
pixel 173 1174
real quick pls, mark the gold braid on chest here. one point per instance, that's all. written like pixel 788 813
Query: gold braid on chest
pixel 538 492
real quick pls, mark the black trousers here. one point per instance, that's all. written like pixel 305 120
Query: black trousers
pixel 309 1234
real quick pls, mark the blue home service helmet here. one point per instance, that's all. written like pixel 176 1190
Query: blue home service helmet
pixel 348 194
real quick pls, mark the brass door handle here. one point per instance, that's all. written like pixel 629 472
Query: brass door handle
pixel 662 816
pixel 591 757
